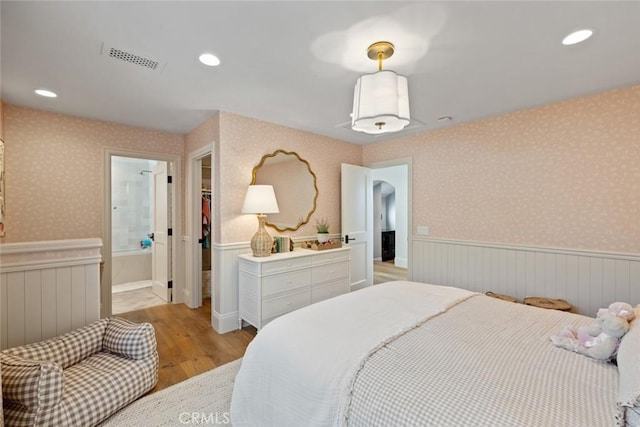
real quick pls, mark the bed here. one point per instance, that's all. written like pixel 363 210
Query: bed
pixel 406 353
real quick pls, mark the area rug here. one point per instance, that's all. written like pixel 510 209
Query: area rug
pixel 203 399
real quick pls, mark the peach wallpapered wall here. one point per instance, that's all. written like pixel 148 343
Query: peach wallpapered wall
pixel 207 134
pixel 243 142
pixel 54 171
pixel 561 175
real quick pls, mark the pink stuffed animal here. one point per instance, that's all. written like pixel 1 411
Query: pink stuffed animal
pixel 587 335
pixel 600 339
pixel 603 346
pixel 620 309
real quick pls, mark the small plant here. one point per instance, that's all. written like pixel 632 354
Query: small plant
pixel 322 225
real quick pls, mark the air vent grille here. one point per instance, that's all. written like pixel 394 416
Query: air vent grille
pixel 109 50
pixel 132 58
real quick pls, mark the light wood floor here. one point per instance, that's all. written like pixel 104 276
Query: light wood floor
pixel 187 344
pixel 386 272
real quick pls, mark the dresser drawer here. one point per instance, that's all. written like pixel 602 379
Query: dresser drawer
pixel 327 272
pixel 329 290
pixel 284 282
pixel 285 265
pixel 249 307
pixel 330 256
pixel 278 306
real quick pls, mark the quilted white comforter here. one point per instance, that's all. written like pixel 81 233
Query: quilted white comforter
pixel 406 353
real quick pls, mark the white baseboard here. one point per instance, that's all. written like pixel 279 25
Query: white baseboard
pixel 187 298
pixel 224 323
pixel 359 286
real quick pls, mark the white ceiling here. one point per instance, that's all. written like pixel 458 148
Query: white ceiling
pixel 296 63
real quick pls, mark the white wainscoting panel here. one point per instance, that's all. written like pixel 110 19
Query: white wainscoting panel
pixel 224 288
pixel 588 280
pixel 47 288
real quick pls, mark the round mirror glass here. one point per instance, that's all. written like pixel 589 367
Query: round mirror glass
pixel 294 184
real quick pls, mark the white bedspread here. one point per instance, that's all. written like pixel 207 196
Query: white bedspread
pixel 276 382
pixel 485 362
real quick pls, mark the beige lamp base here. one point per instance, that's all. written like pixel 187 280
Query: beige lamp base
pixel 261 242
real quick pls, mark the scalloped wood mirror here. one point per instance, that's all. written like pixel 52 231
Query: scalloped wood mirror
pixel 294 184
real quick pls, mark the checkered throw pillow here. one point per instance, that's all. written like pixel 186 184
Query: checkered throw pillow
pixel 33 384
pixel 133 340
pixel 67 349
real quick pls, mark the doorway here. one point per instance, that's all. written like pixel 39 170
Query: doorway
pixel 199 256
pixel 132 239
pixel 391 201
pixel 358 223
pixel 384 228
pixel 206 228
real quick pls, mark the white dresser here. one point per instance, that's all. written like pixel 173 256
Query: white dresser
pixel 280 283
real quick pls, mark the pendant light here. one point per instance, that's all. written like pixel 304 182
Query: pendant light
pixel 381 99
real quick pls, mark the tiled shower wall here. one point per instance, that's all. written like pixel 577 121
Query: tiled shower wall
pixel 131 202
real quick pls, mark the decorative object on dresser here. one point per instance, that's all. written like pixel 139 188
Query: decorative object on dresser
pixel 295 186
pixel 261 200
pixel 322 230
pixel 271 287
pixel 281 244
pixel 318 246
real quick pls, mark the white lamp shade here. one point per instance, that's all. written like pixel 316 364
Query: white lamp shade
pixel 260 199
pixel 380 103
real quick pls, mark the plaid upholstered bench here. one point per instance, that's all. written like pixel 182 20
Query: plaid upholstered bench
pixel 79 378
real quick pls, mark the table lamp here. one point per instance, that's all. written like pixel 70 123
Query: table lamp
pixel 261 200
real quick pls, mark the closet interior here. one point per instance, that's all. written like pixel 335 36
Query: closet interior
pixel 206 227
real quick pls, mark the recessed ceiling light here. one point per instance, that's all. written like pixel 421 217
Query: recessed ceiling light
pixel 577 37
pixel 209 59
pixel 46 93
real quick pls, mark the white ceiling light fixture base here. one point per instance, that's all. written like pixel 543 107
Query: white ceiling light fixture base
pixel 380 100
pixel 209 59
pixel 577 37
pixel 46 93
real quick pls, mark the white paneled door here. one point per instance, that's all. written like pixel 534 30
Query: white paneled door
pixel 161 238
pixel 357 222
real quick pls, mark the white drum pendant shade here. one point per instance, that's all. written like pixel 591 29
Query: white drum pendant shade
pixel 380 103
